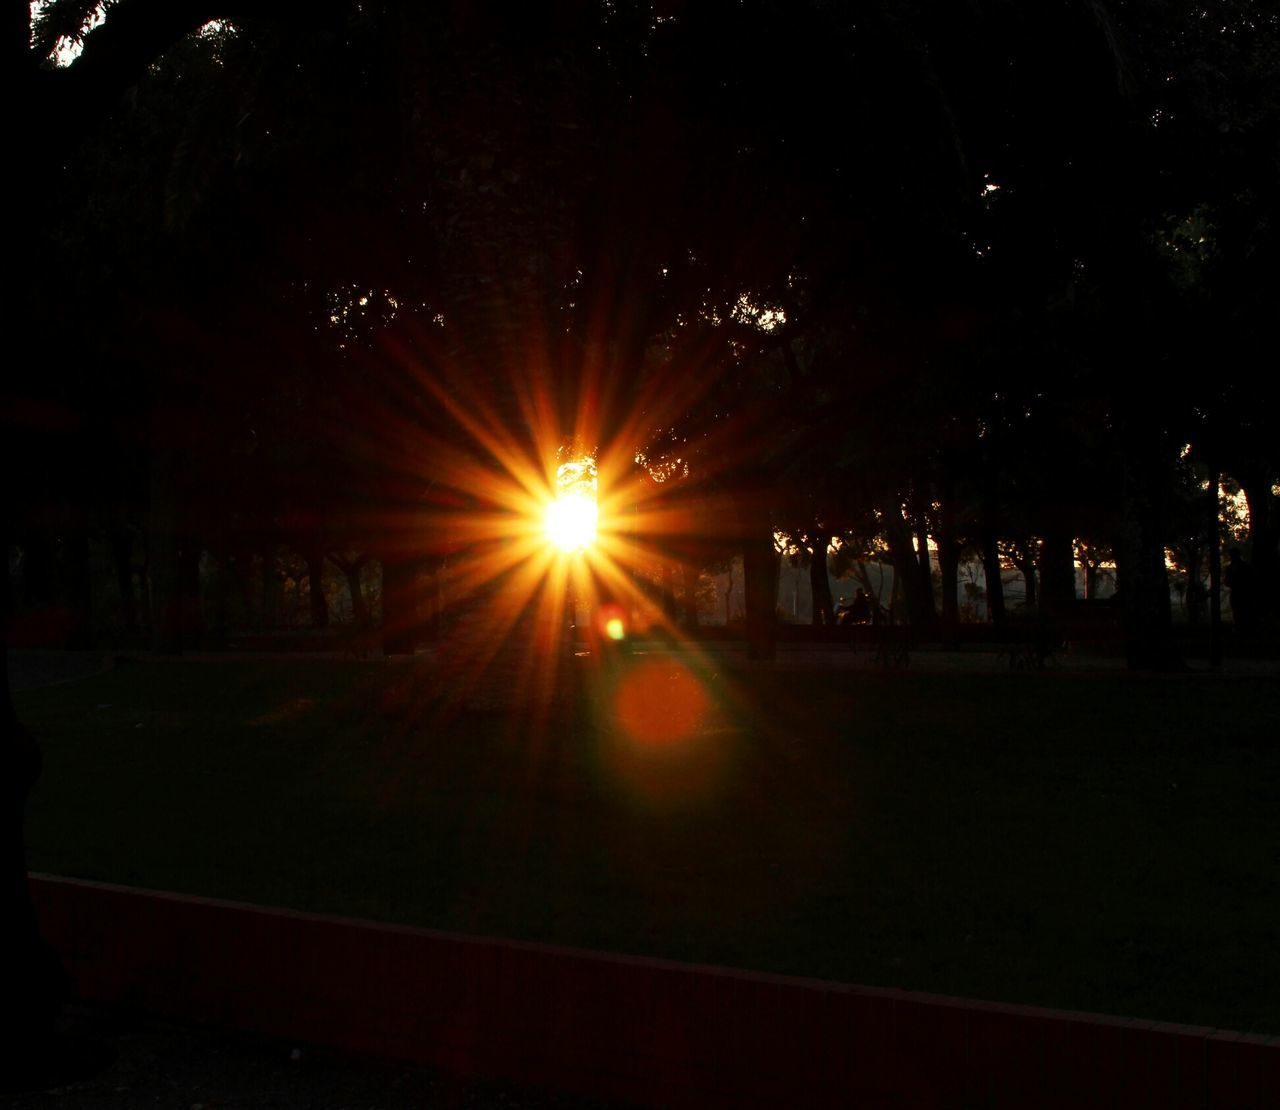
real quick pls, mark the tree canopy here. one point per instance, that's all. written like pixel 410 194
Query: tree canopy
pixel 351 272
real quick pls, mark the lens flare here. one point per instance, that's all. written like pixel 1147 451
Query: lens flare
pixel 611 621
pixel 660 703
pixel 664 739
pixel 570 521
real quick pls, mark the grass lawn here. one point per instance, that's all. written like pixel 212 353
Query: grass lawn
pixel 1105 842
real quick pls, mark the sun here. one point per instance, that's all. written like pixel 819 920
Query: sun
pixel 570 521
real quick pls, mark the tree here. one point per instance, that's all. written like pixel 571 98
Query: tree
pixel 405 254
pixel 62 107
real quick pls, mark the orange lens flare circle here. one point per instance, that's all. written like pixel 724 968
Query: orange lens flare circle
pixel 660 703
pixel 662 744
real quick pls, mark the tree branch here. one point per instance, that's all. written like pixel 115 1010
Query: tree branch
pixel 72 100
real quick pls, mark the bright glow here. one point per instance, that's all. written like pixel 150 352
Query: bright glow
pixel 524 488
pixel 615 628
pixel 571 521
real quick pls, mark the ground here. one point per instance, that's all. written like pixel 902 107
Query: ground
pixel 147 1062
pixel 1081 837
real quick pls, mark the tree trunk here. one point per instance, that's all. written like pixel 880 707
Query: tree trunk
pixel 1143 585
pixel 906 570
pixel 220 600
pixel 689 593
pixel 271 583
pixel 949 570
pixel 189 602
pixel 44 621
pixel 122 556
pixel 753 531
pixel 760 566
pixel 669 607
pixel 1215 574
pixel 39 570
pixel 820 581
pixel 315 590
pixel 1090 565
pixel 241 565
pixel 400 618
pixel 927 602
pixel 1025 562
pixel 1057 573
pixel 359 610
pixel 1142 576
pixel 79 589
pixel 162 559
pixel 995 584
pixel 1264 537
pixel 1193 597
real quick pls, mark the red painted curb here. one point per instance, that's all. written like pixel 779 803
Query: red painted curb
pixel 644 1030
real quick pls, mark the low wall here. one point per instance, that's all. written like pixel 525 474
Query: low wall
pixel 639 1030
